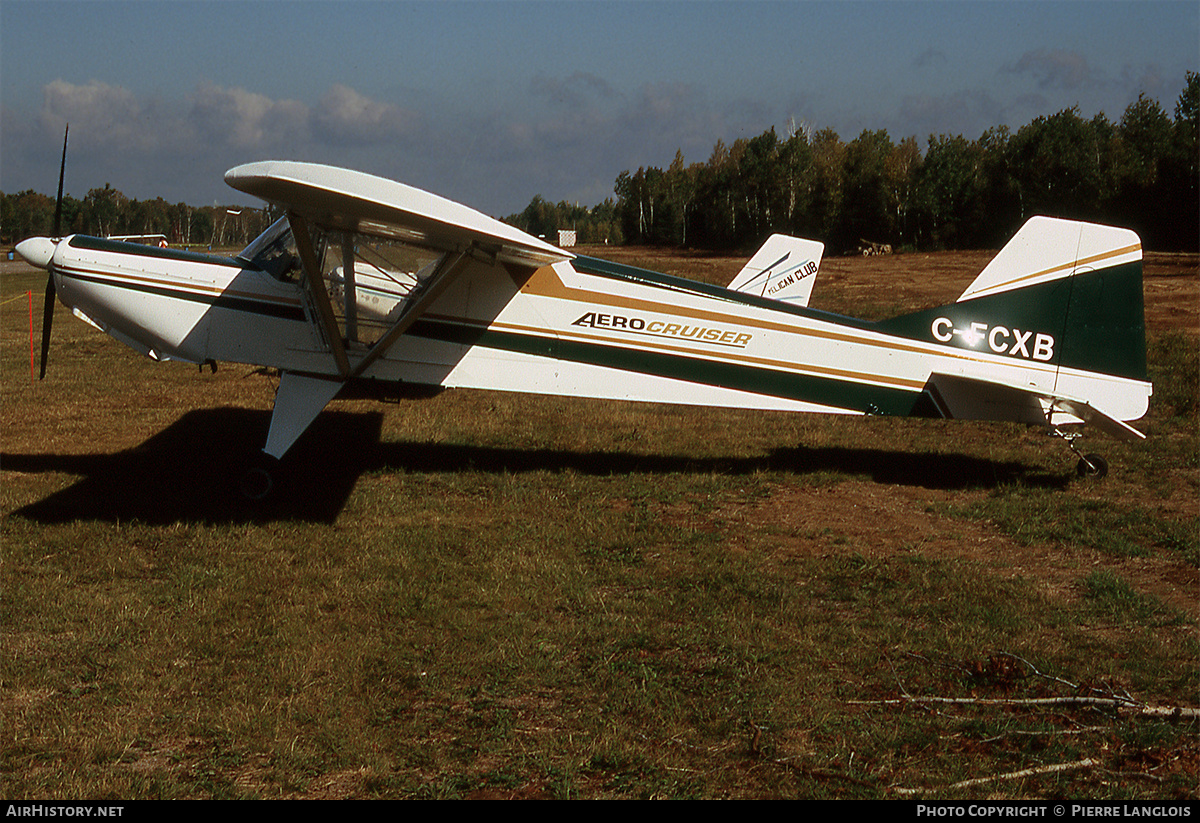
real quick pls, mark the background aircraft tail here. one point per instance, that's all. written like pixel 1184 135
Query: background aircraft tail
pixel 785 269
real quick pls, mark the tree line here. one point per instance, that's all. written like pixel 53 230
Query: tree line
pixel 106 212
pixel 1140 172
pixel 595 225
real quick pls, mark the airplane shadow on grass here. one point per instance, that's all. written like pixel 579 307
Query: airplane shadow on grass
pixel 189 472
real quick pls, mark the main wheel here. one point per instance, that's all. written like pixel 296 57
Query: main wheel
pixel 256 484
pixel 1092 465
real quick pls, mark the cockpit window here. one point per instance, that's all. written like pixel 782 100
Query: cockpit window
pixel 274 251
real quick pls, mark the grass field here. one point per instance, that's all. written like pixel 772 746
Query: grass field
pixel 492 595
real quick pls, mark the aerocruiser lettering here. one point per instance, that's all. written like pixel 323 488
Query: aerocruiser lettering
pixel 658 328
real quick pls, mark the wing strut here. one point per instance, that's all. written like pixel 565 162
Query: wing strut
pixel 301 397
pixel 350 286
pixel 312 273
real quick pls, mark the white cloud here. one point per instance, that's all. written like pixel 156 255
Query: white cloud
pixel 244 120
pixel 575 91
pixel 343 116
pixel 101 115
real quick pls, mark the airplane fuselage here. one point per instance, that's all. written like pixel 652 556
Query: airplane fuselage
pixel 581 327
pixel 365 278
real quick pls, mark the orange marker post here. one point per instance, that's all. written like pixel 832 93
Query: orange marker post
pixel 31 334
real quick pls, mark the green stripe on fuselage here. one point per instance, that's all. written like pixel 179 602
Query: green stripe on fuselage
pixel 84 241
pixel 844 394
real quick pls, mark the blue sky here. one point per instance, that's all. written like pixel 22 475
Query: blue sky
pixel 491 103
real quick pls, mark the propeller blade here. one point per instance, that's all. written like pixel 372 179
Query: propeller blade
pixel 48 307
pixel 47 321
pixel 62 171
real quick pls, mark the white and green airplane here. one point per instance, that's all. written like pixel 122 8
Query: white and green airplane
pixel 367 279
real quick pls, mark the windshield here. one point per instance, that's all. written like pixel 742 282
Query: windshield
pixel 274 251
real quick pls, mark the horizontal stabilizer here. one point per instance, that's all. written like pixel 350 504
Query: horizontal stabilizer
pixel 1094 417
pixel 785 269
pixel 972 398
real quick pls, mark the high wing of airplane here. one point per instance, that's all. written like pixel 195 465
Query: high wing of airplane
pixel 366 279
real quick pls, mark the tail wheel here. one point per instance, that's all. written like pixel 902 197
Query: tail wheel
pixel 1092 465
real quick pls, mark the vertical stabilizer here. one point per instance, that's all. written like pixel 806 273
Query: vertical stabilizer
pixel 1048 248
pixel 785 269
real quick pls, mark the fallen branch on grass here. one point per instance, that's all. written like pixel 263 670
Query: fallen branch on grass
pixel 1086 763
pixel 1100 699
pixel 1108 698
pixel 1120 704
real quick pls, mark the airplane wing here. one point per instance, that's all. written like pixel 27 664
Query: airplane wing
pixel 350 204
pixel 353 201
pixel 970 398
